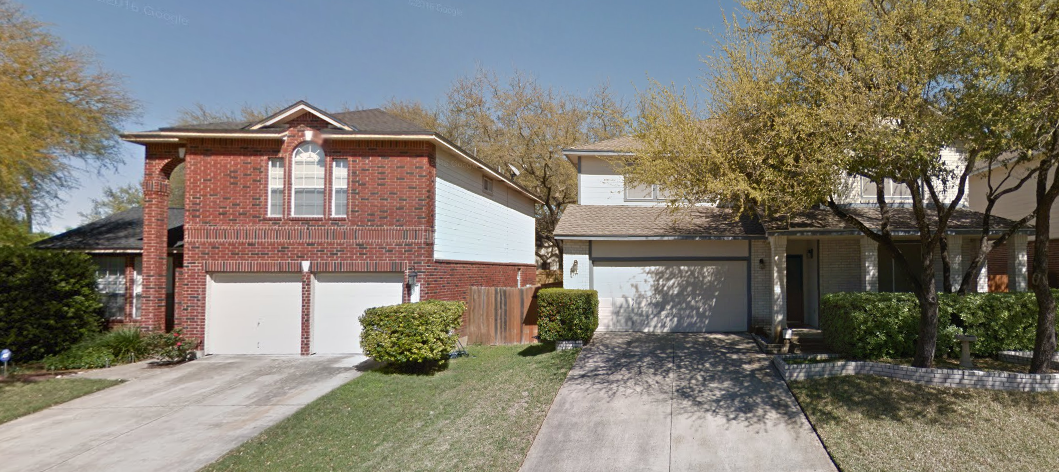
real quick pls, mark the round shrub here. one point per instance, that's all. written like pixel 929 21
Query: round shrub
pixel 564 314
pixel 412 333
pixel 48 301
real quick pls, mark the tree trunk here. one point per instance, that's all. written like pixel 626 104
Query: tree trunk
pixel 1044 345
pixel 946 266
pixel 928 313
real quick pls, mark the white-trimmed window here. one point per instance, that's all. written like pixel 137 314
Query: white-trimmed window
pixel 275 186
pixel 309 177
pixel 641 193
pixel 339 187
pixel 110 282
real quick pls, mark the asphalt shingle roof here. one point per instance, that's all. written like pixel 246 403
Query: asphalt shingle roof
pixel 364 121
pixel 118 232
pixel 619 144
pixel 585 221
pixel 653 221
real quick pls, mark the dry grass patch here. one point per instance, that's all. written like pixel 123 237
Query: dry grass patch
pixel 872 423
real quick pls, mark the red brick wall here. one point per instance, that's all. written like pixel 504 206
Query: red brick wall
pixel 389 226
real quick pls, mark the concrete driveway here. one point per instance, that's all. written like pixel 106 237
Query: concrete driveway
pixel 173 419
pixel 674 402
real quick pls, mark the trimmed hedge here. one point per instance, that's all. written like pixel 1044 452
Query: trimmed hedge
pixel 564 314
pixel 48 301
pixel 868 325
pixel 412 333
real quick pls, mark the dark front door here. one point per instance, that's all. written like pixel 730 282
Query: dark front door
pixel 795 290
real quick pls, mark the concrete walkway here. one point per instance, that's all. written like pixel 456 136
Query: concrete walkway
pixel 674 402
pixel 176 418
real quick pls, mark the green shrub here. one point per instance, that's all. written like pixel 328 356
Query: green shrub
pixel 170 347
pixel 1001 321
pixel 564 314
pixel 81 356
pixel 124 344
pixel 871 325
pixel 411 334
pixel 48 301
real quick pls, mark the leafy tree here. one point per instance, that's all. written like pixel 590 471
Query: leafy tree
pixel 115 200
pixel 806 95
pixel 199 113
pixel 524 125
pixel 58 109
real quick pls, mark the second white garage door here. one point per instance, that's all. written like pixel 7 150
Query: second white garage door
pixel 672 296
pixel 340 299
pixel 254 314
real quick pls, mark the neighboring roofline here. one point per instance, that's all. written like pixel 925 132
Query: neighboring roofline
pixel 300 105
pixel 569 154
pixel 175 137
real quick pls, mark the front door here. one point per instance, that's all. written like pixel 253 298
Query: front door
pixel 795 290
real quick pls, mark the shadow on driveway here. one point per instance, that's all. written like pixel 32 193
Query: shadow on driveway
pixel 637 401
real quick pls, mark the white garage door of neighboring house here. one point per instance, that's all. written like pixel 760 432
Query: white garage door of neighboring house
pixel 254 314
pixel 671 296
pixel 340 299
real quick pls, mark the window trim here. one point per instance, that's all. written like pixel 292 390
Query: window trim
pixel 487 185
pixel 270 187
pixel 321 158
pixel 652 198
pixel 335 188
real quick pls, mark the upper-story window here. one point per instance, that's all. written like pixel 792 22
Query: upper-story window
pixel 487 185
pixel 895 192
pixel 275 186
pixel 644 193
pixel 308 180
pixel 339 187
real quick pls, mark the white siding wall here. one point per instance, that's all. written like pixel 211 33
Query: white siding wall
pixel 577 269
pixel 599 184
pixel 1013 205
pixel 474 226
pixel 858 191
pixel 669 248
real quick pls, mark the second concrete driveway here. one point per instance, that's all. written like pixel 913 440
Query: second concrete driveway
pixel 178 418
pixel 674 402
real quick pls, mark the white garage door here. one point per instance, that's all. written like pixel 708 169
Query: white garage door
pixel 340 299
pixel 671 296
pixel 254 314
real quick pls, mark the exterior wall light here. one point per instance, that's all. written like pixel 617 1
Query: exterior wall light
pixel 412 276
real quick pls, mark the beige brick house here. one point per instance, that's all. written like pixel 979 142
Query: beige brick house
pixel 702 269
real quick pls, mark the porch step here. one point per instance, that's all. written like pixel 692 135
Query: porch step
pixel 807 341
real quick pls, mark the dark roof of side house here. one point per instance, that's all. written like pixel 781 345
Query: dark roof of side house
pixel 118 232
pixel 363 121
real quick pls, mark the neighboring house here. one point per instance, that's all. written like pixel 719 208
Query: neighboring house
pixel 293 225
pixel 702 268
pixel 115 244
pixel 1015 206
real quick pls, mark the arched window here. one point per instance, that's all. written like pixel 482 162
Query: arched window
pixel 309 179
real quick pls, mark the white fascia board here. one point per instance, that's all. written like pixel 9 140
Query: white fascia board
pixel 300 108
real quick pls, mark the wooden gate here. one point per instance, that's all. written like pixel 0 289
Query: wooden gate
pixel 502 315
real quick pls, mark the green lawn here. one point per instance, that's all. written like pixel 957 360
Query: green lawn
pixel 873 423
pixel 480 414
pixel 20 398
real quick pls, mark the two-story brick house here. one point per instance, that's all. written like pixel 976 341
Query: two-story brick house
pixel 703 269
pixel 295 224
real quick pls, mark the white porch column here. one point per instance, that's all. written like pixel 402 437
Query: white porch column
pixel 869 267
pixel 982 279
pixel 779 285
pixel 955 261
pixel 1018 269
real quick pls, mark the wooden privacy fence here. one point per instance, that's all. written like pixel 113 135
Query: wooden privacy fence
pixel 497 315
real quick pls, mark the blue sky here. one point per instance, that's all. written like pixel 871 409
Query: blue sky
pixel 331 53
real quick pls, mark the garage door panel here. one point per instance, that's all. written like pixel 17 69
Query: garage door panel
pixel 672 296
pixel 254 314
pixel 340 299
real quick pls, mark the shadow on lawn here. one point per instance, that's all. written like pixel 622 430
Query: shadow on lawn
pixel 537 349
pixel 414 368
pixel 877 398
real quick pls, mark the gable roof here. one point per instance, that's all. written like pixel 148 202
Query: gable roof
pixel 298 108
pixel 360 124
pixel 655 222
pixel 120 232
pixel 619 145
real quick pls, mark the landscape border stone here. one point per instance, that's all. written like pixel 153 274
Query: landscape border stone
pixel 956 378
